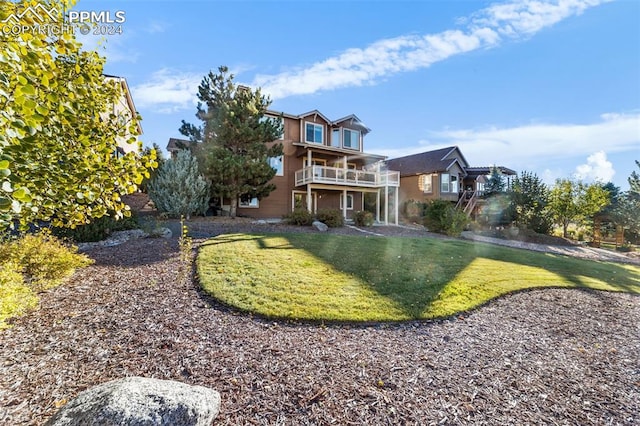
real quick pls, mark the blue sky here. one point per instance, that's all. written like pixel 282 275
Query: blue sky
pixel 551 87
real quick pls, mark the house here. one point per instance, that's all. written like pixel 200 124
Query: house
pixel 323 166
pixel 125 110
pixel 443 174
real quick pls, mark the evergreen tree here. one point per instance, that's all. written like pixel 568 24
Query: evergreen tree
pixel 529 200
pixel 178 188
pixel 495 184
pixel 235 139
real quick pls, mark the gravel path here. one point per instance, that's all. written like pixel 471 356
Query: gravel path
pixel 551 356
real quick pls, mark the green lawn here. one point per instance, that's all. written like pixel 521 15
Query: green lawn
pixel 357 278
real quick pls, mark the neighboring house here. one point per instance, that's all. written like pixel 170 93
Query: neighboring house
pixel 125 109
pixel 176 145
pixel 324 166
pixel 442 174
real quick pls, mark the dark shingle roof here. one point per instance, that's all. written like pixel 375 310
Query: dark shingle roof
pixel 483 171
pixel 176 144
pixel 424 162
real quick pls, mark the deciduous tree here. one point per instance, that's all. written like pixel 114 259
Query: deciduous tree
pixel 235 139
pixel 573 201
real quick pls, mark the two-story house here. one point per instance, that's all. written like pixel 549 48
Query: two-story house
pixel 324 166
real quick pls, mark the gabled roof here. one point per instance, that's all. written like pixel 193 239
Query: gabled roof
pixel 353 121
pixel 176 144
pixel 315 112
pixel 435 161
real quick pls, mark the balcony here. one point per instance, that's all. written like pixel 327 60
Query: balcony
pixel 350 177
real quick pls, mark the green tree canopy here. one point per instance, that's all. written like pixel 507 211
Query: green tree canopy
pixel 529 200
pixel 235 138
pixel 60 130
pixel 495 184
pixel 573 201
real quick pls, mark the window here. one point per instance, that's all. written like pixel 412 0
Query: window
pixel 351 139
pixel 350 166
pixel 278 120
pixel 277 163
pixel 249 203
pixel 349 202
pixel 313 133
pixel 444 182
pixel 426 182
pixel 454 184
pixel 335 138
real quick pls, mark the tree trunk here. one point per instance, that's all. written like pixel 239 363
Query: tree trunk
pixel 565 225
pixel 233 207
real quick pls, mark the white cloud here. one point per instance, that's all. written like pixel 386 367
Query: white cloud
pixel 113 47
pixel 168 91
pixel 536 146
pixel 154 27
pixel 486 28
pixel 597 168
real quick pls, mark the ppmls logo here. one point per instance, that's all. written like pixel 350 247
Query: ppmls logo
pixel 37 14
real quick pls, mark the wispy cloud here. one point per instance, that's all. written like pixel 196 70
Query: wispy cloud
pixel 535 146
pixel 155 27
pixel 484 29
pixel 168 91
pixel 113 47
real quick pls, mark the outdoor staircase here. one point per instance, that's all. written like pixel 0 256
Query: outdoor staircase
pixel 467 202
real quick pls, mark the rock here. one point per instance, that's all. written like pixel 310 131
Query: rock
pixel 162 232
pixel 260 222
pixel 320 226
pixel 139 401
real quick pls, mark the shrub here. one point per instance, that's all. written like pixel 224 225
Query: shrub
pixel 15 296
pixel 42 259
pixel 98 229
pixel 330 217
pixel 442 217
pixel 300 217
pixel 414 209
pixel 363 218
pixel 179 189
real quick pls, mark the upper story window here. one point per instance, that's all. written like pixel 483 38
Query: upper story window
pixel 351 139
pixel 277 163
pixel 313 132
pixel 335 138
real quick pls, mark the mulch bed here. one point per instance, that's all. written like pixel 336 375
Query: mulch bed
pixel 540 357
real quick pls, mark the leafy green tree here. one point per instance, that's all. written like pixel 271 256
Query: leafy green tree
pixel 529 200
pixel 235 139
pixel 160 160
pixel 59 130
pixel 634 182
pixel 626 210
pixel 573 201
pixel 178 188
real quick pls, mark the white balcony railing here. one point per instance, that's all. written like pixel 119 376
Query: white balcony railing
pixel 349 177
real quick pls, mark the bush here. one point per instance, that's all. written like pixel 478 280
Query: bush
pixel 363 218
pixel 179 189
pixel 300 217
pixel 442 217
pixel 42 259
pixel 98 229
pixel 331 217
pixel 15 296
pixel 414 209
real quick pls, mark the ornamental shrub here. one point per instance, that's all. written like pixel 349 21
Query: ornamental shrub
pixel 442 217
pixel 15 297
pixel 42 259
pixel 179 189
pixel 330 217
pixel 98 229
pixel 300 217
pixel 363 218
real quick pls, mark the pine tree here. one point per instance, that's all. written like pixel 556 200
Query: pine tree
pixel 178 188
pixel 235 139
pixel 495 184
pixel 529 200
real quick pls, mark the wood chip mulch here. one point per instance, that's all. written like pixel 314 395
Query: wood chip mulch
pixel 551 356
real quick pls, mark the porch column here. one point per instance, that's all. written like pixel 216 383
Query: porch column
pixel 344 203
pixel 396 203
pixel 309 205
pixel 386 204
pixel 378 205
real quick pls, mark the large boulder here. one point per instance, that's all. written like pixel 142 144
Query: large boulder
pixel 320 226
pixel 139 401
